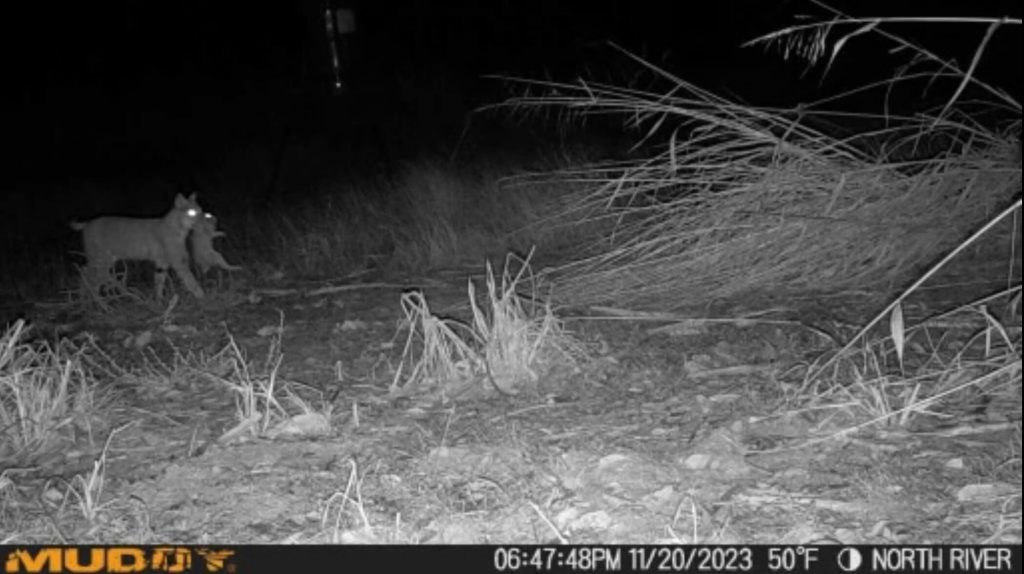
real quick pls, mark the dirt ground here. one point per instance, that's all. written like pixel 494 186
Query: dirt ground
pixel 669 431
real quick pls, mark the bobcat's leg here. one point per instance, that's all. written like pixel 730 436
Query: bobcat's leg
pixel 98 275
pixel 180 265
pixel 159 278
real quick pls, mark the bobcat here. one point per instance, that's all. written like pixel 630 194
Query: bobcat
pixel 200 243
pixel 161 240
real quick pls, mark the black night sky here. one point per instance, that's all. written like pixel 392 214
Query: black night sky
pixel 110 87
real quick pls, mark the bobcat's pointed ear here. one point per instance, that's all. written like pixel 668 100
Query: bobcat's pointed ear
pixel 194 196
pixel 180 201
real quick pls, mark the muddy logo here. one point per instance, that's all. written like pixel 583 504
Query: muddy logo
pixel 117 560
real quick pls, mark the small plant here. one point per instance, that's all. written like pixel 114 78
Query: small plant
pixel 345 518
pixel 509 339
pixel 87 490
pixel 45 391
pixel 511 333
pixel 256 404
pixel 261 395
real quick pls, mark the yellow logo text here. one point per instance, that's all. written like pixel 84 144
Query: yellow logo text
pixel 113 560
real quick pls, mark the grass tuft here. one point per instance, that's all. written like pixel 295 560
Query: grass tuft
pixel 509 342
pixel 47 394
pixel 265 404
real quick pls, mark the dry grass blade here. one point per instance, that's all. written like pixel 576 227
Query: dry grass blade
pixel 897 331
pixel 810 42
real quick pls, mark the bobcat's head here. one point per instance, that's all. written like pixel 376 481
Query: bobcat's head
pixel 186 213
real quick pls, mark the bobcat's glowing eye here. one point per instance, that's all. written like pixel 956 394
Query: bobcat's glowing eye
pixel 192 212
pixel 208 215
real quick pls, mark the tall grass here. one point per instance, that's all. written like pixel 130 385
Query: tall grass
pixel 737 199
pixel 429 214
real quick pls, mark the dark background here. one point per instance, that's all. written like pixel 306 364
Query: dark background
pixel 130 87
